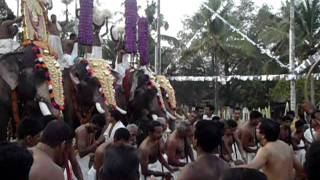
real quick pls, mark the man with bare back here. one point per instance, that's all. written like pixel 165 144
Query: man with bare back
pixel 149 153
pixel 208 166
pixel 49 153
pixel 247 135
pixel 121 137
pixel 275 158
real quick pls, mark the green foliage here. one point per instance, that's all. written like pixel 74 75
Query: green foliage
pixel 219 51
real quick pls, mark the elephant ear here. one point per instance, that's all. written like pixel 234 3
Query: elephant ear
pixel 9 71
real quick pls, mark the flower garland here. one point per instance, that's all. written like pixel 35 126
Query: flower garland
pixel 53 80
pixel 131 16
pixel 143 33
pixel 86 22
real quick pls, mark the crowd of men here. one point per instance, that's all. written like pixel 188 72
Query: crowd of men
pixel 197 148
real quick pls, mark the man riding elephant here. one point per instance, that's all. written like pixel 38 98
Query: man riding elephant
pixel 8 31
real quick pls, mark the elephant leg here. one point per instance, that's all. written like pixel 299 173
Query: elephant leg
pixel 4 120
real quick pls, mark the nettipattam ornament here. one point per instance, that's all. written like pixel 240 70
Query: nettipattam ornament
pixel 54 79
pixel 165 84
pixel 100 69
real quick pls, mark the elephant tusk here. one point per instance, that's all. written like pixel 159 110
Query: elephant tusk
pixel 44 109
pixel 154 117
pixel 99 108
pixel 170 116
pixel 123 112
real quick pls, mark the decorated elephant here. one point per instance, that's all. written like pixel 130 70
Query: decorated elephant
pixel 28 82
pixel 88 90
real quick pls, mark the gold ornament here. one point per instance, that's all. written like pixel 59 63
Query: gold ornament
pixel 165 84
pixel 102 71
pixel 56 78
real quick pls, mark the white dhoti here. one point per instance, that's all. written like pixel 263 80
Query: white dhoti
pixel 8 45
pixel 157 166
pixel 75 50
pixel 300 154
pixel 96 52
pixel 55 44
pixel 236 155
pixel 92 174
pixel 250 156
pixel 177 173
pixel 84 165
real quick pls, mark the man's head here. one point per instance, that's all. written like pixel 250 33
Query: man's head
pixel 121 163
pixel 73 36
pixel 230 127
pixel 184 129
pixel 210 110
pixel 300 126
pixel 243 174
pixel 121 136
pixel 255 118
pixel 98 121
pixel 207 136
pixel 155 130
pixel 134 132
pixel 29 131
pixel 237 114
pixel 53 18
pixel 163 122
pixel 291 114
pixel 15 161
pixel 115 115
pixel 56 135
pixel 268 130
pixel 312 163
pixel 286 120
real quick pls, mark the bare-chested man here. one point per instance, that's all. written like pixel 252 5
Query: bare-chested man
pixel 121 137
pixel 149 152
pixel 86 143
pixel 54 29
pixel 49 154
pixel 178 147
pixel 247 135
pixel 275 158
pixel 7 44
pixel 207 137
pixel 232 149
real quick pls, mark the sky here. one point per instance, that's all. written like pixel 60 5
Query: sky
pixel 174 10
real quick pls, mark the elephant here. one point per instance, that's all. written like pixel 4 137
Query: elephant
pixel 145 97
pixel 19 75
pixel 83 96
